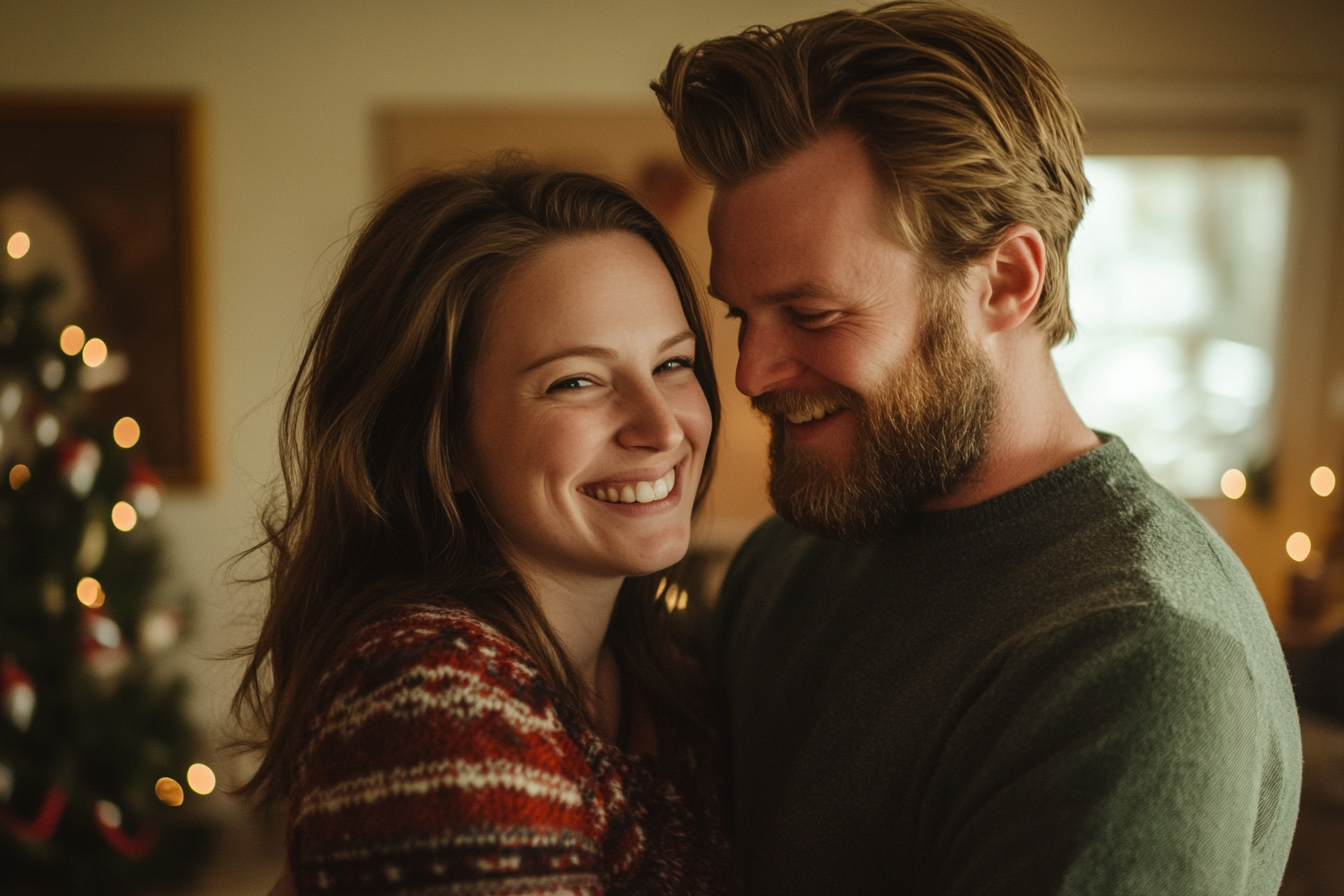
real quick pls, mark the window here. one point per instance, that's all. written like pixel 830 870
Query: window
pixel 1175 282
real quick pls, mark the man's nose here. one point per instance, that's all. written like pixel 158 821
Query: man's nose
pixel 764 360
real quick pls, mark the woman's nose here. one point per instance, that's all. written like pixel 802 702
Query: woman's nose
pixel 650 422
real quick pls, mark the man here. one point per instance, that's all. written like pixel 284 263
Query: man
pixel 982 651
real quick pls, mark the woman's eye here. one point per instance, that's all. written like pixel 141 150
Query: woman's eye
pixel 675 364
pixel 570 383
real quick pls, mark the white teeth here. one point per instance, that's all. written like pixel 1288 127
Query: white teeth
pixel 639 493
pixel 816 412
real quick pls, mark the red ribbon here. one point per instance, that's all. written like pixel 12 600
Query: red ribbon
pixel 136 848
pixel 44 825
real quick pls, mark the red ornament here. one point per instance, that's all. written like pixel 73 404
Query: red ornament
pixel 141 473
pixel 101 644
pixel 44 825
pixel 137 848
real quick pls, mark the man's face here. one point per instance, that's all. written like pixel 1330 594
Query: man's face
pixel 877 398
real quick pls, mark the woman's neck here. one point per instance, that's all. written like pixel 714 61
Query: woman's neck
pixel 578 609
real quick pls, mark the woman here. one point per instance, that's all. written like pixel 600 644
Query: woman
pixel 490 456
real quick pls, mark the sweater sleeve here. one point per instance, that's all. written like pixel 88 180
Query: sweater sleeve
pixel 435 760
pixel 1115 755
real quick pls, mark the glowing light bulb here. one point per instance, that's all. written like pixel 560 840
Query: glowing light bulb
pixel 1299 546
pixel 1323 481
pixel 169 791
pixel 124 516
pixel 200 778
pixel 95 352
pixel 90 592
pixel 1233 484
pixel 18 475
pixel 18 245
pixel 126 433
pixel 72 340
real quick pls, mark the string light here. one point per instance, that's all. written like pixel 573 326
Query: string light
pixel 126 432
pixel 1299 546
pixel 124 516
pixel 200 778
pixel 1233 484
pixel 18 245
pixel 169 792
pixel 18 475
pixel 95 352
pixel 1323 481
pixel 72 340
pixel 90 592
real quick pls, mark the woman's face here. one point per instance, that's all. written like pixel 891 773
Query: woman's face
pixel 588 428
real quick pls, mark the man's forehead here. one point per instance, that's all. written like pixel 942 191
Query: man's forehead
pixel 786 232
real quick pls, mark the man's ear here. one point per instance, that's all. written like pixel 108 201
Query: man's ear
pixel 1016 273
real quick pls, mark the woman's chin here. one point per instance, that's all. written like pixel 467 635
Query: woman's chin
pixel 656 559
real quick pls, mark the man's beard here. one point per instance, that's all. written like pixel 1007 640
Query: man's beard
pixel 921 433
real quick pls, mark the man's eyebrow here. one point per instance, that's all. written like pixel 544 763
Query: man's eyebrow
pixel 600 352
pixel 806 290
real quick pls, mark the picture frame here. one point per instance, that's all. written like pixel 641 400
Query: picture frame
pixel 119 170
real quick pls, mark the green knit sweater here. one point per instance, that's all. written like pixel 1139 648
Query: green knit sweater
pixel 1070 688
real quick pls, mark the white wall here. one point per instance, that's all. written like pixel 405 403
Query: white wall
pixel 288 87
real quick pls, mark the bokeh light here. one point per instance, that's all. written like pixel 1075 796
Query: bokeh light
pixel 126 432
pixel 18 475
pixel 200 778
pixel 1299 546
pixel 1233 484
pixel 124 516
pixel 90 592
pixel 18 245
pixel 95 352
pixel 72 340
pixel 169 792
pixel 47 430
pixel 1323 481
pixel 108 813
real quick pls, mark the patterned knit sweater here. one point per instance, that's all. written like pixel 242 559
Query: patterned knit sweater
pixel 440 761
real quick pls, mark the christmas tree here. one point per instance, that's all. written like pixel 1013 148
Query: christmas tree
pixel 99 784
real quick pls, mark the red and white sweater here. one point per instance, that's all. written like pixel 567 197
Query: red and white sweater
pixel 440 761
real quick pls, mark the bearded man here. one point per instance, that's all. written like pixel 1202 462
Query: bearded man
pixel 982 651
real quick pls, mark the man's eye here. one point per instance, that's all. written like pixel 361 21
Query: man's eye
pixel 812 319
pixel 675 364
pixel 570 383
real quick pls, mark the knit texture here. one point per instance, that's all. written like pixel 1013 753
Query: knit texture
pixel 1072 688
pixel 440 761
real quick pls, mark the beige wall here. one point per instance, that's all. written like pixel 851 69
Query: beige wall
pixel 288 91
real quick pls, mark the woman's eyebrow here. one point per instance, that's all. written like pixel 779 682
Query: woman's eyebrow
pixel 600 352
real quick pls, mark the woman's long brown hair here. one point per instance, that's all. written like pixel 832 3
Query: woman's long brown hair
pixel 365 516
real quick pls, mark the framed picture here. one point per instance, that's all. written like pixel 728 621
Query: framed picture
pixel 111 180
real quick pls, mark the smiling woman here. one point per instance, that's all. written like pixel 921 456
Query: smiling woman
pixel 500 428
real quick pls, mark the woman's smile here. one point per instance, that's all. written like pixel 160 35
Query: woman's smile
pixel 597 427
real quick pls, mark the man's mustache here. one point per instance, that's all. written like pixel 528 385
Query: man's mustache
pixel 783 402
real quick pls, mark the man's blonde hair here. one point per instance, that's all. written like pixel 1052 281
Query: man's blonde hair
pixel 968 129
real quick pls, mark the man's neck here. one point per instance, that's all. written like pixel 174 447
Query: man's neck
pixel 1035 430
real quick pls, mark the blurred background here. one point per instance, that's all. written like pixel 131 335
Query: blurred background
pixel 231 147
